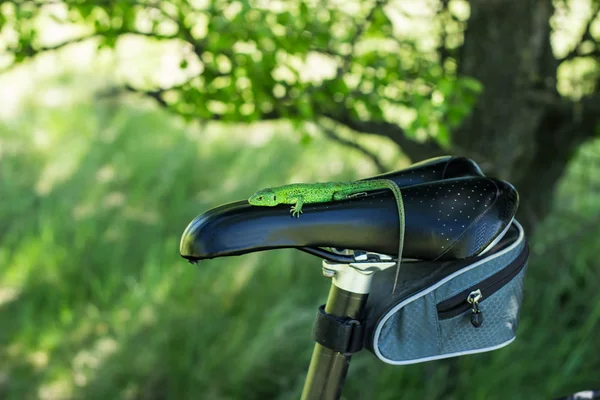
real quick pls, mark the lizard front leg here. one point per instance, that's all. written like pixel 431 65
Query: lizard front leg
pixel 296 209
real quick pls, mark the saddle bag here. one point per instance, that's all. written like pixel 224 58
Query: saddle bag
pixel 448 308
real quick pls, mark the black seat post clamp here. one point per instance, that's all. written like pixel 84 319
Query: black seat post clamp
pixel 344 335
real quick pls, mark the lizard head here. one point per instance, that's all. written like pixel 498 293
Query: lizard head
pixel 265 197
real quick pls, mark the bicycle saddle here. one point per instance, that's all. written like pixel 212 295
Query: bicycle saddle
pixel 453 218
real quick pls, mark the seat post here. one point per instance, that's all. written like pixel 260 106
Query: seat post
pixel 347 299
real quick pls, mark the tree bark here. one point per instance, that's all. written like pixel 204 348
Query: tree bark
pixel 525 141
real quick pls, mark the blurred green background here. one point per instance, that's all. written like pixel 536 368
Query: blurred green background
pixel 120 121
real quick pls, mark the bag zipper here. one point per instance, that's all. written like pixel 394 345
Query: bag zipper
pixel 471 297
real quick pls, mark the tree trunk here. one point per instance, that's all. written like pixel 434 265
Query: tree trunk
pixel 527 142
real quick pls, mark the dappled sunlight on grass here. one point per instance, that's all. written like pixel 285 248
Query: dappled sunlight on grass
pixel 57 389
pixel 8 294
pixel 86 361
pixel 98 292
pixel 244 272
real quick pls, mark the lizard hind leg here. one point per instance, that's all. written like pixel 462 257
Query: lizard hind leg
pixel 347 194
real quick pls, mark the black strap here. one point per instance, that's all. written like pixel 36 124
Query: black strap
pixel 344 335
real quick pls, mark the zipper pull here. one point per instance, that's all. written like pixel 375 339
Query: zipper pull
pixel 476 315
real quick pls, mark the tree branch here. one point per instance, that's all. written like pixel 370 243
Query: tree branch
pixel 153 94
pixel 586 35
pixel 361 28
pixel 31 51
pixel 442 49
pixel 157 95
pixel 332 135
pixel 586 114
pixel 347 59
pixel 591 104
pixel 413 149
pixel 575 119
pixel 70 3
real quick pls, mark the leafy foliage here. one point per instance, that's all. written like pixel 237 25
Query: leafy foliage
pixel 247 60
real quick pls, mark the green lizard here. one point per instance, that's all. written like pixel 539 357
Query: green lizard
pixel 299 194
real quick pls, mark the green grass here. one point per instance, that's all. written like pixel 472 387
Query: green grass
pixel 96 303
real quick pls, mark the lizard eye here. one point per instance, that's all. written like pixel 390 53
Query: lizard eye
pixel 259 198
pixel 274 198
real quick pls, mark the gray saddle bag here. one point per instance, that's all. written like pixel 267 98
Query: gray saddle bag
pixel 448 309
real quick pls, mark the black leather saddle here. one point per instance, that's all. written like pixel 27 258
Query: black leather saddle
pixel 452 211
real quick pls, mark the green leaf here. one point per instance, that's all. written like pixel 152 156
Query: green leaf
pixel 472 84
pixel 389 77
pixel 110 41
pixel 85 9
pixel 304 11
pixel 380 18
pixel 338 86
pixel 305 109
pixel 305 139
pixel 454 116
pixel 380 26
pixel 299 126
pixel 284 18
pixel 445 86
pixel 443 135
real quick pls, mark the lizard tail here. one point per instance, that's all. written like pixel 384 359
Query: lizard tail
pixel 393 186
pixel 401 224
